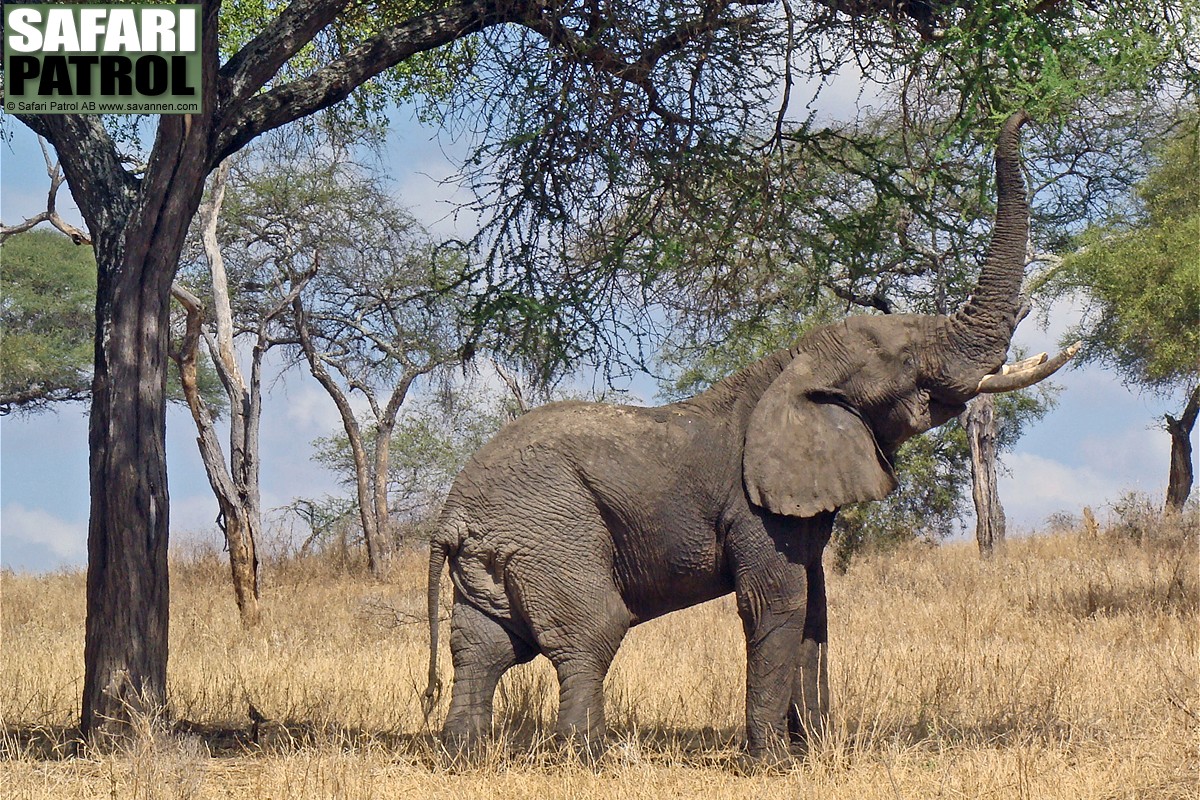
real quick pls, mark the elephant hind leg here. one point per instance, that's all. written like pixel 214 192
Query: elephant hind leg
pixel 482 650
pixel 579 623
pixel 581 700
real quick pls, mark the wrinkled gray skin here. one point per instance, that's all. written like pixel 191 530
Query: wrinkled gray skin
pixel 580 520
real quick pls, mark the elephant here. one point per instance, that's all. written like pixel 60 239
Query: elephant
pixel 580 520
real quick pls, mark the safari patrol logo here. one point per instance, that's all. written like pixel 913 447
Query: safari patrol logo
pixel 102 59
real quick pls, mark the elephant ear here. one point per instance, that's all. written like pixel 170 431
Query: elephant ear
pixel 808 451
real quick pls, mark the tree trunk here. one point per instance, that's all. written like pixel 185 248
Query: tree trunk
pixel 236 485
pixel 1179 482
pixel 379 477
pixel 125 645
pixel 236 521
pixel 353 433
pixel 989 513
pixel 125 641
pixel 385 419
pixel 376 547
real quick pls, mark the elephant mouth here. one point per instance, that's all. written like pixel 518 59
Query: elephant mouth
pixel 942 411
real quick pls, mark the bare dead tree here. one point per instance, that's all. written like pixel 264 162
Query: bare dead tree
pixel 234 479
pixel 980 422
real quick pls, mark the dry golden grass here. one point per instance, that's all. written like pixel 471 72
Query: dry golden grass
pixel 1067 668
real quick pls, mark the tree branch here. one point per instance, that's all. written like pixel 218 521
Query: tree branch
pixel 51 215
pixel 638 71
pixel 210 446
pixel 100 184
pixel 263 56
pixel 514 387
pixel 223 356
pixel 335 81
pixel 1184 423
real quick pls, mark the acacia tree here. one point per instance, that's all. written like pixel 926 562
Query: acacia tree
pixel 582 96
pixel 371 323
pixel 1137 275
pixel 352 295
pixel 48 315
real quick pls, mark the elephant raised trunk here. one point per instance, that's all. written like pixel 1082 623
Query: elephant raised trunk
pixel 980 331
pixel 987 320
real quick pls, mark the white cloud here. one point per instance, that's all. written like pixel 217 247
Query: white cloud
pixel 1037 487
pixel 195 513
pixel 33 538
pixel 1136 456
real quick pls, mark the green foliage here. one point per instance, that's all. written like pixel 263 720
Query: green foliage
pixel 47 318
pixel 880 214
pixel 691 367
pixel 1045 57
pixel 615 227
pixel 1141 278
pixel 934 471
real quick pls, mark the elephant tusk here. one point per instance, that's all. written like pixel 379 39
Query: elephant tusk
pixel 1024 364
pixel 1027 372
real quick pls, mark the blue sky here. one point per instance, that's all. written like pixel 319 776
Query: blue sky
pixel 1100 442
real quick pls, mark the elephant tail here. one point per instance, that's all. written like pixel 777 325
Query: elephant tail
pixel 438 553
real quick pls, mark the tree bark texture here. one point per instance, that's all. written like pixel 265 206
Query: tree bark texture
pixel 989 513
pixel 238 490
pixel 1179 481
pixel 125 646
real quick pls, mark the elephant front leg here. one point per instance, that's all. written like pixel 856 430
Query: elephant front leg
pixel 809 712
pixel 772 607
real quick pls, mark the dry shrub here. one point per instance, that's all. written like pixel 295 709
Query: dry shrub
pixel 1066 667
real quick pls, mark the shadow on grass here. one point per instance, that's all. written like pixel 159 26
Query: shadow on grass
pixel 699 747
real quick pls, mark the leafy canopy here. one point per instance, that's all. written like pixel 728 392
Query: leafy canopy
pixel 1140 277
pixel 47 326
pixel 46 319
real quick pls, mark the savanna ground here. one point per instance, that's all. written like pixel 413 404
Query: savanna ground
pixel 1064 668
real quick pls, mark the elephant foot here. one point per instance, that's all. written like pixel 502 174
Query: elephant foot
pixel 805 730
pixel 461 751
pixel 586 749
pixel 775 759
pixel 808 712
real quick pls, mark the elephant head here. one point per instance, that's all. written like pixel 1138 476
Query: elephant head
pixel 823 432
